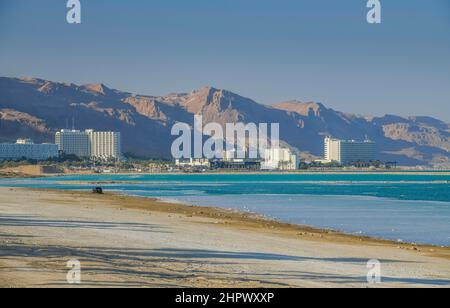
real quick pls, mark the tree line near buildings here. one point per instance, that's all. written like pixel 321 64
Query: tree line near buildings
pixel 132 162
pixel 359 164
pixel 75 161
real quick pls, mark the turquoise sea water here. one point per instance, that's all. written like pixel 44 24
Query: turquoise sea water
pixel 407 207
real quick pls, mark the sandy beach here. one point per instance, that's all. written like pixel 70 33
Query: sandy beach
pixel 136 242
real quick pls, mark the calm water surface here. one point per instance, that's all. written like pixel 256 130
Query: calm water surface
pixel 406 207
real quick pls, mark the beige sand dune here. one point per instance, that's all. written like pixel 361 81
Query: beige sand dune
pixel 135 242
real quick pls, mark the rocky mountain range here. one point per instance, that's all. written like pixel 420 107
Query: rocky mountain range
pixel 37 108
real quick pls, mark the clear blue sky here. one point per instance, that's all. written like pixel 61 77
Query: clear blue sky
pixel 269 50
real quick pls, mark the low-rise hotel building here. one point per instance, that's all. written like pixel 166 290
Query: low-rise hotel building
pixel 198 162
pixel 27 149
pixel 280 159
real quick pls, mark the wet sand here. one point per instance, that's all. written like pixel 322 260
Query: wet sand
pixel 138 242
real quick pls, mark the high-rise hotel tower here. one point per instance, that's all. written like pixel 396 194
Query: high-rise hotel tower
pixel 347 152
pixel 89 143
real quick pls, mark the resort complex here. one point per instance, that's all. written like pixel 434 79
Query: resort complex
pixel 281 159
pixel 106 146
pixel 88 144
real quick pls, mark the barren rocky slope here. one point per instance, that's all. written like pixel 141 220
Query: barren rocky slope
pixel 38 108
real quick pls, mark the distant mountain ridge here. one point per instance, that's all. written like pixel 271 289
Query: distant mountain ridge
pixel 37 108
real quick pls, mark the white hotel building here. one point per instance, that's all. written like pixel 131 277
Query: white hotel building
pixel 92 144
pixel 26 148
pixel 346 152
pixel 105 145
pixel 280 159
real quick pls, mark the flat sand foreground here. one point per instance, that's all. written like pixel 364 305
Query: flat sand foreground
pixel 135 242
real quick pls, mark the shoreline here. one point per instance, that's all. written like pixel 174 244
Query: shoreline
pixel 250 219
pixel 170 202
pixel 125 241
pixel 180 207
pixel 299 172
pixel 22 175
pixel 301 227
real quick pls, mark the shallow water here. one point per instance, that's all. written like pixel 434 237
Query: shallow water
pixel 407 207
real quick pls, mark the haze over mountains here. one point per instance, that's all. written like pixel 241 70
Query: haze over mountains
pixel 37 108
